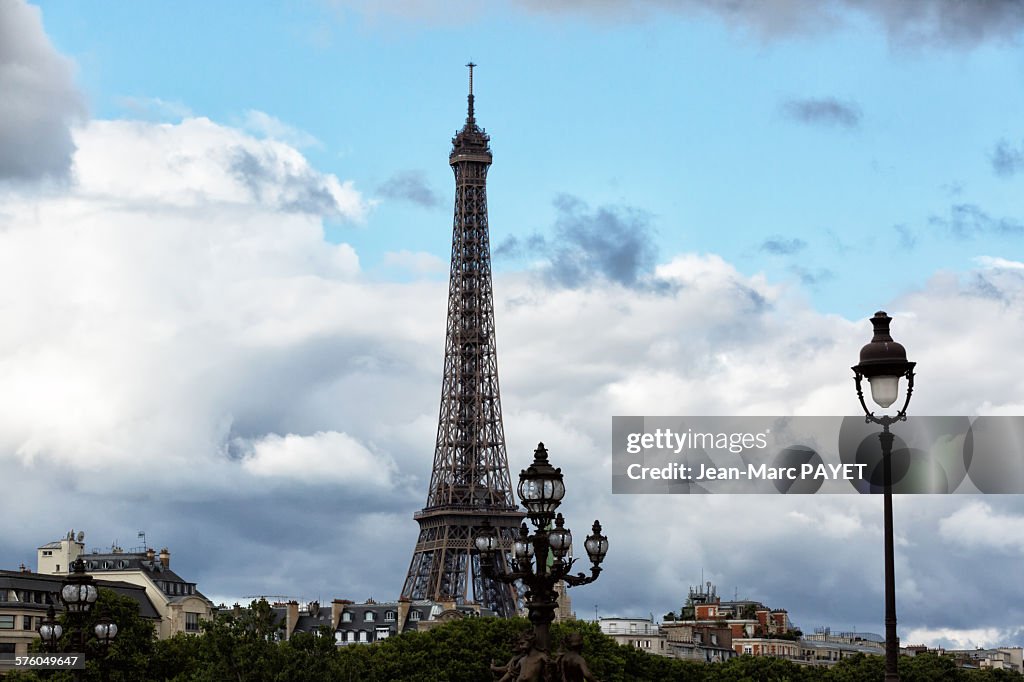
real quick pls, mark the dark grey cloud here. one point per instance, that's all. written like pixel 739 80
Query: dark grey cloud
pixel 409 186
pixel 823 111
pixel 811 276
pixel 515 247
pixel 941 23
pixel 615 243
pixel 969 220
pixel 781 246
pixel 299 190
pixel 38 98
pixel 509 247
pixel 1007 159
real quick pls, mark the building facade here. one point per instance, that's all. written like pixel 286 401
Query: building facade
pixel 639 633
pixel 179 603
pixel 25 598
pixel 370 621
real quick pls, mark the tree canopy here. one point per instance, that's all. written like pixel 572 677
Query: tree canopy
pixel 247 648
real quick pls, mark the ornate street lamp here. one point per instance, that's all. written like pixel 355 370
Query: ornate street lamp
pixel 50 630
pixel 884 362
pixel 541 489
pixel 78 594
pixel 105 630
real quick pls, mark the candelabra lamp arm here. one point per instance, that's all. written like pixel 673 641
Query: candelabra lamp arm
pixel 869 416
pixel 902 415
pixel 582 578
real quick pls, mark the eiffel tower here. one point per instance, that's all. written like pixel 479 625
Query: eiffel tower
pixel 470 481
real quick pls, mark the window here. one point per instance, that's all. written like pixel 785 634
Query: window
pixel 26 622
pixel 47 552
pixel 6 651
pixel 6 622
pixel 191 622
pixel 383 633
pixel 390 616
pixel 58 568
pixel 346 616
pixel 632 628
pixel 414 615
pixel 364 636
pixel 369 616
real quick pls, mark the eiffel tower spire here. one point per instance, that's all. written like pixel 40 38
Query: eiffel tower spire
pixel 470 481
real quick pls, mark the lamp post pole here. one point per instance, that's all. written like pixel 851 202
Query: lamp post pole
pixel 78 594
pixel 883 362
pixel 540 559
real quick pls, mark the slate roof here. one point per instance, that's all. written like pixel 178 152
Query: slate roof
pixel 51 584
pixel 165 578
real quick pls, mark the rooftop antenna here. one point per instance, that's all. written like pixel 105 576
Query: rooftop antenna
pixel 470 118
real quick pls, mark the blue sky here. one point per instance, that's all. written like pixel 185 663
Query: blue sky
pixel 690 119
pixel 224 239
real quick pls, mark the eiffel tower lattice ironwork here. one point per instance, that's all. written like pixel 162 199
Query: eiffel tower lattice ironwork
pixel 470 482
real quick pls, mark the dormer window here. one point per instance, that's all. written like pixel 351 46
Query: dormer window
pixel 414 615
pixel 369 616
pixel 390 616
pixel 346 616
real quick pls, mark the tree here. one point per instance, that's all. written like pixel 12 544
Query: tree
pixel 125 659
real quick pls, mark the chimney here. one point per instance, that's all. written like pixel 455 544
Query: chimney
pixel 337 606
pixel 236 610
pixel 165 558
pixel 291 618
pixel 403 613
pixel 24 569
pixel 150 554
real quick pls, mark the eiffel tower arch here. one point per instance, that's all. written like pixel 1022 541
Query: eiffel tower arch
pixel 470 481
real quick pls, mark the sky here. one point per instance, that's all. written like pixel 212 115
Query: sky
pixel 224 240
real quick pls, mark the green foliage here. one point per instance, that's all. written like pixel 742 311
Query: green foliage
pixel 246 648
pixel 749 612
pixel 129 653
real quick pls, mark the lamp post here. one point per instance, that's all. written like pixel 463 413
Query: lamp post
pixel 105 630
pixel 541 490
pixel 883 362
pixel 78 594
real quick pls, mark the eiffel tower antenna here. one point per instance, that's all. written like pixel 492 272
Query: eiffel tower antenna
pixel 470 480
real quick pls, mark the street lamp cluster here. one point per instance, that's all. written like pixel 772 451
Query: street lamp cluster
pixel 883 362
pixel 78 594
pixel 540 559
